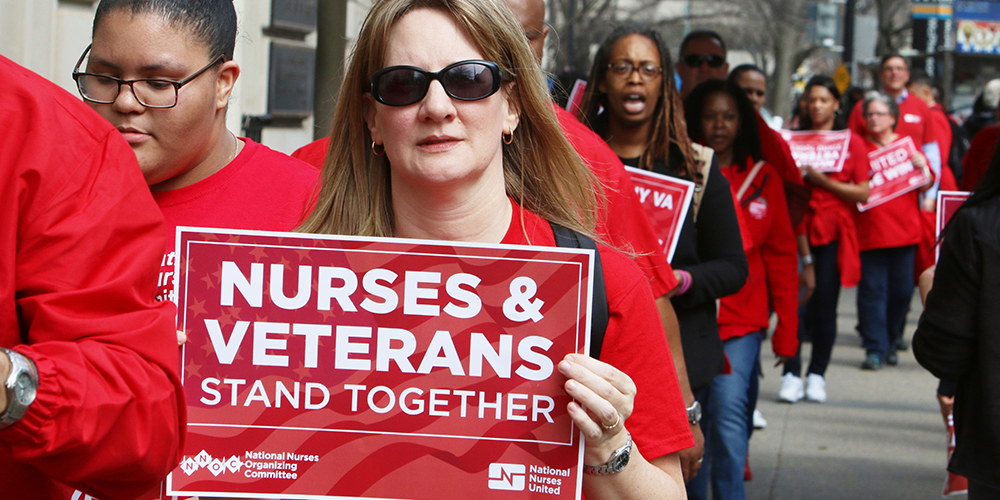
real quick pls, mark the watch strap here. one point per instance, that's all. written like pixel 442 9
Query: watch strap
pixel 615 464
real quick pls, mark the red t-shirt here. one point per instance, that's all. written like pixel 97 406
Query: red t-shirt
pixel 831 218
pixel 80 240
pixel 622 221
pixel 634 343
pixel 914 121
pixel 260 189
pixel 895 223
pixel 977 159
pixel 773 262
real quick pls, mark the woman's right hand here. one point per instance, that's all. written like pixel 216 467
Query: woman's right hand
pixel 603 400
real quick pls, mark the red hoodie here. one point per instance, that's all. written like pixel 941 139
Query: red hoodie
pixel 774 276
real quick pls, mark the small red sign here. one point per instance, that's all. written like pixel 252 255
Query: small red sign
pixel 340 367
pixel 823 150
pixel 947 204
pixel 893 173
pixel 666 200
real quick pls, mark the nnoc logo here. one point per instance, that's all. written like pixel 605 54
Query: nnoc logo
pixel 507 477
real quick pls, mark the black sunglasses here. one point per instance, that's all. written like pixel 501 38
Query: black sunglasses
pixel 695 60
pixel 464 80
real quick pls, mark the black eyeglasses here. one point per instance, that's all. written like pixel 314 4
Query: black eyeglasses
pixel 150 92
pixel 464 80
pixel 624 70
pixel 695 60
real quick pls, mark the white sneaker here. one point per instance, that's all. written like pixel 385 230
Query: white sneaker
pixel 791 388
pixel 758 420
pixel 815 388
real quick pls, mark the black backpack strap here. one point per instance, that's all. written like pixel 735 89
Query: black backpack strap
pixel 599 316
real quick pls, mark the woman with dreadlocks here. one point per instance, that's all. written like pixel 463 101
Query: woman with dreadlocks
pixel 633 104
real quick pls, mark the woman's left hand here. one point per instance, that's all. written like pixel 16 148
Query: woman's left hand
pixel 603 400
pixel 813 176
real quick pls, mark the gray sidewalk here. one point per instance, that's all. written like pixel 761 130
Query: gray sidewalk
pixel 878 436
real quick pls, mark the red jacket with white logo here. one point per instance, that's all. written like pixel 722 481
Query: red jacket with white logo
pixel 773 260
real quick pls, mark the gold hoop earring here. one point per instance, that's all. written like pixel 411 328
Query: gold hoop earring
pixel 508 138
pixel 375 151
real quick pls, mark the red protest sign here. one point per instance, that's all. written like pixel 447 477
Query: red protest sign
pixel 893 173
pixel 339 367
pixel 823 150
pixel 947 204
pixel 666 200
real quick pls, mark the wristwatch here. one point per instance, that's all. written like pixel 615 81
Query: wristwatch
pixel 806 260
pixel 615 464
pixel 694 413
pixel 21 386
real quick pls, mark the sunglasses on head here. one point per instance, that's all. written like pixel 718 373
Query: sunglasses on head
pixel 464 80
pixel 713 60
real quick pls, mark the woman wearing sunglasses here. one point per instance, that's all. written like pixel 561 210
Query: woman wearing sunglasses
pixel 443 130
pixel 632 102
pixel 161 71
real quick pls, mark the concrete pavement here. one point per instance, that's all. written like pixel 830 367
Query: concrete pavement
pixel 878 436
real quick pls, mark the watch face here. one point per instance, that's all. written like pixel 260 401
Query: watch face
pixel 620 461
pixel 24 389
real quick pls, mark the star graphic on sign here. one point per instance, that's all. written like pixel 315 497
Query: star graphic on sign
pixel 208 347
pixel 197 308
pixel 193 369
pixel 284 262
pixel 209 282
pixel 233 241
pixel 225 320
pixel 303 254
pixel 218 274
pixel 258 253
pixel 302 371
pixel 327 314
pixel 261 319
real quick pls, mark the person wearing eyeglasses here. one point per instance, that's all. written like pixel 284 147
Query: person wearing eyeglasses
pixel 443 130
pixel 633 104
pixel 162 71
pixel 888 235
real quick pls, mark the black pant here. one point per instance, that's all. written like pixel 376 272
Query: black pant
pixel 818 318
pixel 982 491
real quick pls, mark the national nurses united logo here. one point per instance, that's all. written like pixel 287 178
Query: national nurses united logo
pixel 507 477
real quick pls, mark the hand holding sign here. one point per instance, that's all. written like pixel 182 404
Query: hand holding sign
pixel 603 401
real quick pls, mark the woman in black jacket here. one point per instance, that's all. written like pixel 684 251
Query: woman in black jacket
pixel 958 337
pixel 633 104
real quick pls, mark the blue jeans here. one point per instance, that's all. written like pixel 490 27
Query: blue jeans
pixel 727 426
pixel 818 318
pixel 884 295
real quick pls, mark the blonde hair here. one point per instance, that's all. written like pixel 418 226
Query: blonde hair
pixel 542 171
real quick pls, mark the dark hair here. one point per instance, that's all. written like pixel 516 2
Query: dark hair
pixel 885 59
pixel 747 143
pixel 921 78
pixel 738 71
pixel 698 35
pixel 805 123
pixel 212 22
pixel 884 99
pixel 668 136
